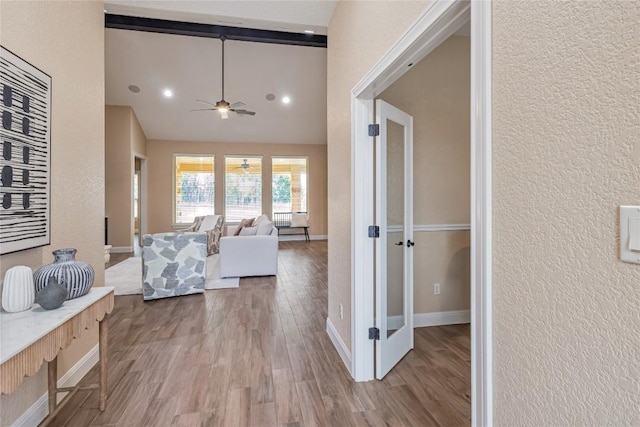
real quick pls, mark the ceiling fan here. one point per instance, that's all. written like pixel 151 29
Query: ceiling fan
pixel 244 166
pixel 223 106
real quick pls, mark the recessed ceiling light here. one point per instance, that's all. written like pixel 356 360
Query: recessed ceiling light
pixel 286 100
pixel 168 93
pixel 309 31
pixel 134 88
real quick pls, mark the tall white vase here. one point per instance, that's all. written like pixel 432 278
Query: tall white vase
pixel 18 290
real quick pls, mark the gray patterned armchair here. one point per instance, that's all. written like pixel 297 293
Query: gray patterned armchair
pixel 173 264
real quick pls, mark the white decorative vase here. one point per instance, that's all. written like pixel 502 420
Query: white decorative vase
pixel 18 291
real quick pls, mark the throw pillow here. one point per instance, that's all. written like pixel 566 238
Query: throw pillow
pixel 298 220
pixel 243 223
pixel 248 231
pixel 209 222
pixel 265 228
pixel 259 220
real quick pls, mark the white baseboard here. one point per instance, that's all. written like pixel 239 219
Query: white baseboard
pixel 439 318
pixel 340 346
pixel 121 249
pixel 292 237
pixel 39 410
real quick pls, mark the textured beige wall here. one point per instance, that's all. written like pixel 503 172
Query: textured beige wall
pixel 160 177
pixel 436 93
pixel 360 33
pixel 566 105
pixel 138 138
pixel 123 138
pixel 118 174
pixel 65 40
pixel 440 257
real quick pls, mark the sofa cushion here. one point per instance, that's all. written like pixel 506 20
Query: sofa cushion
pixel 209 222
pixel 248 231
pixel 261 219
pixel 243 223
pixel 264 229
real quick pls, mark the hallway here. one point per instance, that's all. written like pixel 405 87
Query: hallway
pixel 259 356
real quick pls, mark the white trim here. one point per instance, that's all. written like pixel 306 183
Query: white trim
pixel 39 410
pixel 340 346
pixel 442 227
pixel 481 217
pixel 362 271
pixel 121 249
pixel 438 318
pixel 431 227
pixel 441 19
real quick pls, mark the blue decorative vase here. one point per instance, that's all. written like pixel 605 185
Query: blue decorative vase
pixel 76 276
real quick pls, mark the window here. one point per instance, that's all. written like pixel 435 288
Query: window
pixel 194 187
pixel 289 184
pixel 243 188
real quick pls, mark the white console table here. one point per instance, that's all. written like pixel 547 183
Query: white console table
pixel 31 337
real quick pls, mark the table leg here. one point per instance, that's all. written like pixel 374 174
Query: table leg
pixel 52 381
pixel 103 328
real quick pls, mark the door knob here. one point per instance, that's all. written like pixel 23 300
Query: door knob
pixel 410 243
pixel 399 244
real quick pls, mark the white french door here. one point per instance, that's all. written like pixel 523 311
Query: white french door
pixel 394 247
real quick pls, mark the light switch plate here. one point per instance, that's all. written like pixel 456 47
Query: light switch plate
pixel 629 217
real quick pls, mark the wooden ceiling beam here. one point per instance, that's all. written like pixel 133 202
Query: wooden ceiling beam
pixel 136 23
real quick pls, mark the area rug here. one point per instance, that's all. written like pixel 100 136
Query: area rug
pixel 126 276
pixel 214 281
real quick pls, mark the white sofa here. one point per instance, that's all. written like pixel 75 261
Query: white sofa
pixel 244 256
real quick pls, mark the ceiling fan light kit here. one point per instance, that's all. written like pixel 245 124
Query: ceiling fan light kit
pixel 222 106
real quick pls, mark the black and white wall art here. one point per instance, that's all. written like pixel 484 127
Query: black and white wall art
pixel 25 151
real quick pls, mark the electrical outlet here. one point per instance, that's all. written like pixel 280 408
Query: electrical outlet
pixel 341 312
pixel 436 288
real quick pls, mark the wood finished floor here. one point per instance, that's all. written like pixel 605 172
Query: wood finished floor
pixel 259 356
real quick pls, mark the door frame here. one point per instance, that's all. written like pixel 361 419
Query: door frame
pixel 143 199
pixel 441 19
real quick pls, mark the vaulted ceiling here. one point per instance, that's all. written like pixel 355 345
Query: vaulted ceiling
pixel 191 68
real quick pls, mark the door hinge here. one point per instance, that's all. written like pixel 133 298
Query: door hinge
pixel 374 334
pixel 374 130
pixel 374 231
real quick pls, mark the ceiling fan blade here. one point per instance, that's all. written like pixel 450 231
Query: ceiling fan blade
pixel 205 109
pixel 237 105
pixel 245 112
pixel 205 102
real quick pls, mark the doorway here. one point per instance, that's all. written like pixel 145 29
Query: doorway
pixel 138 203
pixel 438 22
